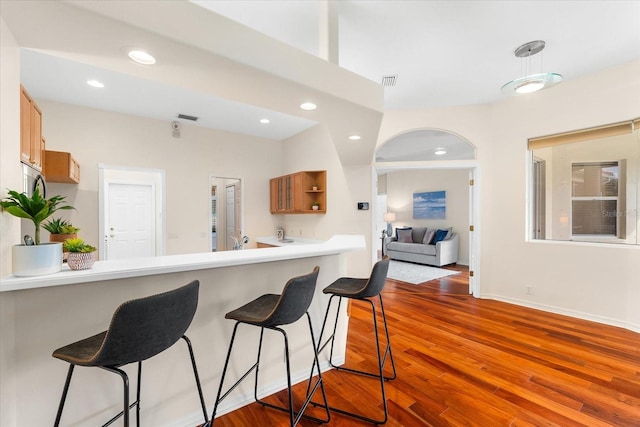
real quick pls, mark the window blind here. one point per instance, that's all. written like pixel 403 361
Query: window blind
pixel 605 131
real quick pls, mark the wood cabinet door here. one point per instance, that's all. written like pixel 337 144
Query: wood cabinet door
pixel 273 187
pixel 298 193
pixel 36 136
pixel 25 126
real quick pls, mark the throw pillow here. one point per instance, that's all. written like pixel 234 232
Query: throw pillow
pixel 428 237
pixel 404 235
pixel 401 228
pixel 440 235
pixel 449 233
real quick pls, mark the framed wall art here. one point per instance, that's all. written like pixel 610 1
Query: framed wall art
pixel 429 205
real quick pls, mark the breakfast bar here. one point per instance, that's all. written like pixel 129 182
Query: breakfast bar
pixel 39 314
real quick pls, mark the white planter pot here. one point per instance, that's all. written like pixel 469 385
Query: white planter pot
pixel 36 260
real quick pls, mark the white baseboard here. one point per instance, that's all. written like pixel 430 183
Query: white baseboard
pixel 234 402
pixel 572 313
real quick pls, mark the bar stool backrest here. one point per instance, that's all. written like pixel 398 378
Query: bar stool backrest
pixel 377 279
pixel 294 301
pixel 144 327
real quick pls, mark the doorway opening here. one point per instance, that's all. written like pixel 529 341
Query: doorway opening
pixel 131 202
pixel 431 160
pixel 226 212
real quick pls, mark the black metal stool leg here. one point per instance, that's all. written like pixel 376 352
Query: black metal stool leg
pixel 320 345
pixel 320 381
pixel 257 365
pixel 64 394
pixel 195 373
pixel 381 362
pixel 388 347
pixel 295 416
pixel 126 406
pixel 220 398
pixel 139 387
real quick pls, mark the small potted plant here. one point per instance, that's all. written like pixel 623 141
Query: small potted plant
pixel 60 230
pixel 315 206
pixel 33 258
pixel 80 254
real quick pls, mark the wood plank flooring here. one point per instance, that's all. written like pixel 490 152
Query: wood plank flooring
pixel 468 362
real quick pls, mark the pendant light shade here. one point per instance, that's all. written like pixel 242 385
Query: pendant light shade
pixel 530 82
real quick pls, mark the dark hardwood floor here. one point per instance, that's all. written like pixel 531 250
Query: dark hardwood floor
pixel 468 362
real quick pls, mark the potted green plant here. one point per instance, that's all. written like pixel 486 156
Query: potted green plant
pixel 60 230
pixel 33 258
pixel 80 254
pixel 315 206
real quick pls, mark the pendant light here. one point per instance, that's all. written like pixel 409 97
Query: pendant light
pixel 530 82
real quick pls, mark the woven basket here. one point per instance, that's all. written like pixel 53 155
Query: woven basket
pixel 80 260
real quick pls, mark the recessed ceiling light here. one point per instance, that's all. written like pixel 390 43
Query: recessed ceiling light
pixel 354 137
pixel 309 106
pixel 265 121
pixel 95 83
pixel 141 57
pixel 440 152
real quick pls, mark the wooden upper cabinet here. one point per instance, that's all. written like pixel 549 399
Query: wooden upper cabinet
pixel 60 166
pixel 298 192
pixel 25 126
pixel 36 136
pixel 31 140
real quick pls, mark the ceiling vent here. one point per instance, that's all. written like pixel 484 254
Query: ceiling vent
pixel 388 81
pixel 186 117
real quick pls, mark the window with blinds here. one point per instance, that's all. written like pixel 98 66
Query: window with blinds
pixel 594 201
pixel 585 185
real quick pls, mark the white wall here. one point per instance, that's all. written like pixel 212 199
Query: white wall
pixel 402 184
pixel 9 226
pixel 346 186
pixel 95 136
pixel 10 167
pixel 591 281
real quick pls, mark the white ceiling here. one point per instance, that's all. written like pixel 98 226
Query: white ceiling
pixel 54 78
pixel 453 52
pixel 444 53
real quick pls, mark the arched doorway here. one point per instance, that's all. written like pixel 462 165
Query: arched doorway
pixel 432 160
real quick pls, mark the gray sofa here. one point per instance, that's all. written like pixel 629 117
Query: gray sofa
pixel 441 253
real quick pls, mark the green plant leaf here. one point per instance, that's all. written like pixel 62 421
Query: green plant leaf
pixel 36 208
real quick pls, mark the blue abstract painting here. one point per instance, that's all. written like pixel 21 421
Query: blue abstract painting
pixel 429 205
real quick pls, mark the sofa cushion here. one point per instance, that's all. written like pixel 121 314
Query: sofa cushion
pixel 449 233
pixel 428 237
pixel 417 234
pixel 415 248
pixel 401 228
pixel 440 235
pixel 404 235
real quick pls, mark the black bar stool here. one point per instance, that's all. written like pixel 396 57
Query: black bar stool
pixel 271 311
pixel 363 290
pixel 139 329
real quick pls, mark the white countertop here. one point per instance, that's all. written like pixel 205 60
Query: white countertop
pixel 293 241
pixel 111 270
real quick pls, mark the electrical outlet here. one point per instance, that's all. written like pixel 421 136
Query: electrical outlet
pixel 529 290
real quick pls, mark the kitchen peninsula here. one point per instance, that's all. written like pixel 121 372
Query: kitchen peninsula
pixel 39 314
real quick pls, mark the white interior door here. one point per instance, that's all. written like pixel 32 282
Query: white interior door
pixel 130 221
pixel 230 216
pixel 131 206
